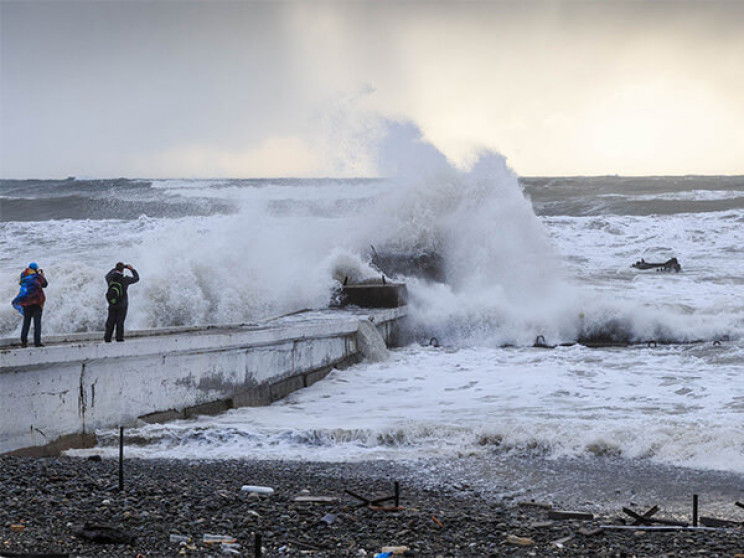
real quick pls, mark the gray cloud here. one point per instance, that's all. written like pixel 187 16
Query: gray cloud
pixel 219 88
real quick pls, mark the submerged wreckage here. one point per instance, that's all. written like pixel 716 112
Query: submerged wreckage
pixel 671 265
pixel 424 264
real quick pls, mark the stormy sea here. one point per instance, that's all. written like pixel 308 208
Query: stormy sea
pixel 535 338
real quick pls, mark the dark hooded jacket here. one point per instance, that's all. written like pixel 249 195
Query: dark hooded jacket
pixel 124 281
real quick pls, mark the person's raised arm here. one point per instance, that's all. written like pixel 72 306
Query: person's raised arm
pixel 135 275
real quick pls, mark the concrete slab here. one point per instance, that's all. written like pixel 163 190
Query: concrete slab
pixel 77 383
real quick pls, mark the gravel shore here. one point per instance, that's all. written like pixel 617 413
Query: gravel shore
pixel 476 507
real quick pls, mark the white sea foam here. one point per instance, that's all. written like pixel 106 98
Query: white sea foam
pixel 669 404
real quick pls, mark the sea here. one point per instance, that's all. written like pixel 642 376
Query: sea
pixel 526 261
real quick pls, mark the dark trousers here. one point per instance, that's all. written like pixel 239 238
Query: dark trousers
pixel 29 313
pixel 116 317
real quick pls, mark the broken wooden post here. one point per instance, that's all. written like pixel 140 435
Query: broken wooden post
pixel 649 520
pixel 397 494
pixel 694 510
pixel 365 501
pixel 257 546
pixel 651 511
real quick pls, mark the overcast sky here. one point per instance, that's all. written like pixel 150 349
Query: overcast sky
pixel 253 89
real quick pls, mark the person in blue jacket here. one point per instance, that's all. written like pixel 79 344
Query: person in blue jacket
pixel 118 300
pixel 30 302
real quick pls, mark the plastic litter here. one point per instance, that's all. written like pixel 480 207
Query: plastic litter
pixel 210 538
pixel 230 548
pixel 394 549
pixel 257 489
pixel 328 518
pixel 180 539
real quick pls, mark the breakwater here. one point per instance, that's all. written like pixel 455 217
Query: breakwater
pixel 55 397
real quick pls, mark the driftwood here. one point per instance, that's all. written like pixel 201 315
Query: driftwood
pixel 649 520
pixel 715 522
pixel 648 514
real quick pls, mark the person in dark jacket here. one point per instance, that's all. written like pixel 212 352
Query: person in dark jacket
pixel 118 283
pixel 30 302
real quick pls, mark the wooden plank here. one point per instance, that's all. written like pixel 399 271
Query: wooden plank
pixel 715 522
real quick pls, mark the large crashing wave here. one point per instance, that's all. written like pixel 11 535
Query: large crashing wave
pixel 284 245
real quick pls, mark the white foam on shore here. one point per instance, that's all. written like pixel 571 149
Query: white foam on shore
pixel 672 405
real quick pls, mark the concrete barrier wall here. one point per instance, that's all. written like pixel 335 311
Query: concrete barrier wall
pixel 55 397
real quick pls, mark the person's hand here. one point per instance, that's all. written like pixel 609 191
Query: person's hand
pixel 129 267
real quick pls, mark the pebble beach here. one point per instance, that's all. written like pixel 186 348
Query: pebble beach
pixel 52 507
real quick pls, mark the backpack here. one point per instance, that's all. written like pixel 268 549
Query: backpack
pixel 114 293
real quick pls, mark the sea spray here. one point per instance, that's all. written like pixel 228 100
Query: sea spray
pixel 504 282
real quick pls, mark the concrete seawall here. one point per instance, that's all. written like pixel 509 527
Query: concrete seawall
pixel 55 397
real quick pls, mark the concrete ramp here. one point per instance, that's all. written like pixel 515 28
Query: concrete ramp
pixel 55 397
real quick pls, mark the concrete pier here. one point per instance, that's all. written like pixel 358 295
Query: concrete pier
pixel 55 397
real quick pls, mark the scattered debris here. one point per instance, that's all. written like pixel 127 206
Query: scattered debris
pixel 394 549
pixel 520 541
pixel 103 534
pixel 209 538
pixel 558 543
pixel 230 548
pixel 377 501
pixel 647 515
pixel 257 489
pixel 642 519
pixel 328 519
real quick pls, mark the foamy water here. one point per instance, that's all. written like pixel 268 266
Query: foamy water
pixel 554 262
pixel 676 405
